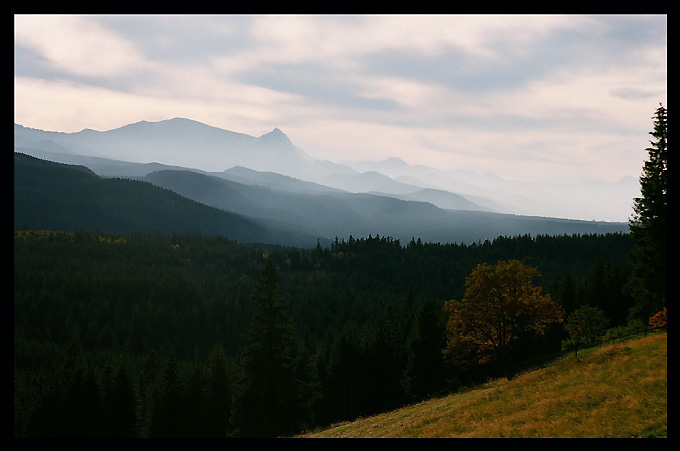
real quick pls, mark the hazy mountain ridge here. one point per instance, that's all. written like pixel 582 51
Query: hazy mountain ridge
pixel 180 142
pixel 186 143
pixel 586 200
pixel 56 196
pixel 47 195
pixel 279 184
pixel 273 180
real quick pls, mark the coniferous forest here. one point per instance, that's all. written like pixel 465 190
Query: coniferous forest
pixel 190 335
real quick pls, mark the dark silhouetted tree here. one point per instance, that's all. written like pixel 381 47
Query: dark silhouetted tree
pixel 194 402
pixel 271 382
pixel 649 226
pixel 424 374
pixel 119 404
pixel 218 403
pixel 168 414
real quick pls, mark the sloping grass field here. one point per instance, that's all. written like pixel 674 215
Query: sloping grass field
pixel 616 391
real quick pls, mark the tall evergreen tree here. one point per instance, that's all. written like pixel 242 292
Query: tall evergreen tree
pixel 649 226
pixel 169 417
pixel 267 396
pixel 194 402
pixel 82 402
pixel 382 364
pixel 218 408
pixel 567 291
pixel 119 404
pixel 343 370
pixel 424 374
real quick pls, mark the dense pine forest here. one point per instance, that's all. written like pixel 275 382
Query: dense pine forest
pixel 176 335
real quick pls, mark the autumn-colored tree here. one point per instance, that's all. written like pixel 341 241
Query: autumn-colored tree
pixel 660 319
pixel 500 303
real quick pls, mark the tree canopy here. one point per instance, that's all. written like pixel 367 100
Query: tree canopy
pixel 499 304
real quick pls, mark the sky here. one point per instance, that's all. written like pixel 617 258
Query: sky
pixel 525 97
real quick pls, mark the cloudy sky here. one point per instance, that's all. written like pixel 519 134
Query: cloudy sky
pixel 524 97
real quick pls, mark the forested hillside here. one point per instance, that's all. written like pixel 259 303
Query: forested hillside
pixel 65 197
pixel 154 330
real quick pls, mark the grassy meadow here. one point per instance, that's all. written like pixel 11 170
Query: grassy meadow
pixel 616 391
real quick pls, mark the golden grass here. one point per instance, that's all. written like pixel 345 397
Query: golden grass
pixel 619 390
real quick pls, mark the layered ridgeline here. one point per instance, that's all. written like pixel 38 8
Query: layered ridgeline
pixel 55 196
pixel 269 189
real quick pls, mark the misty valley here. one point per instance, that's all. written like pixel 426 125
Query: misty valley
pixel 291 198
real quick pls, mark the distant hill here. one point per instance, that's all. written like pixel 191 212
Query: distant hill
pixel 443 199
pixel 331 214
pixel 56 196
pixel 273 180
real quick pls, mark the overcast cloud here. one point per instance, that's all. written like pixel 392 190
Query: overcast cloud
pixel 524 97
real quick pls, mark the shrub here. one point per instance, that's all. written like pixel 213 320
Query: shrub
pixel 586 326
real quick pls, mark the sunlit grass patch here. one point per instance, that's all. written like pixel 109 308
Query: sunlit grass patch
pixel 615 391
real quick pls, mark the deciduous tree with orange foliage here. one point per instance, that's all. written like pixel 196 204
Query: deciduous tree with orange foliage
pixel 660 319
pixel 499 303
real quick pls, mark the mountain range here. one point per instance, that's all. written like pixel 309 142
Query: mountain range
pixel 263 189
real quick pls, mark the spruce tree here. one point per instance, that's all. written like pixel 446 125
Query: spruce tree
pixel 267 395
pixel 168 416
pixel 219 393
pixel 648 226
pixel 424 374
pixel 119 404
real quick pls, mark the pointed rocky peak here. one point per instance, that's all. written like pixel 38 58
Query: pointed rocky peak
pixel 275 136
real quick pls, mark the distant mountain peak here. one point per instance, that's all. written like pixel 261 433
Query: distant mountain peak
pixel 276 132
pixel 275 136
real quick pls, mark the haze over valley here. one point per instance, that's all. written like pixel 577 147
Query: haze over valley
pixel 272 181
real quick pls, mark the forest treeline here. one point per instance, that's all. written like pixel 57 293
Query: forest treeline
pixel 147 335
